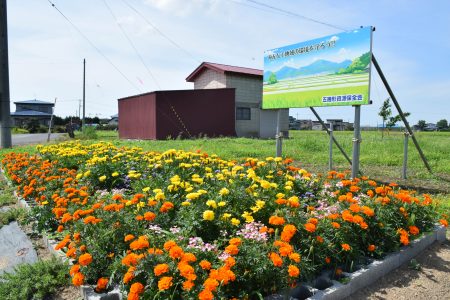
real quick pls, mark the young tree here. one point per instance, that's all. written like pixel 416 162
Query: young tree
pixel 385 113
pixel 442 124
pixel 393 120
pixel 421 124
pixel 273 78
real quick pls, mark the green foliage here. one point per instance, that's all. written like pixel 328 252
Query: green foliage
pixel 421 124
pixel 34 281
pixel 88 133
pixel 12 214
pixel 16 130
pixel 442 124
pixel 358 65
pixel 272 78
pixel 394 120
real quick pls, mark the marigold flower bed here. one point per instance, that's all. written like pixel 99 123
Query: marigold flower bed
pixel 186 225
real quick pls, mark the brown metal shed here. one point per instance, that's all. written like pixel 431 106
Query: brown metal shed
pixel 189 113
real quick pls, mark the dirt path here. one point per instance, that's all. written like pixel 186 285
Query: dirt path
pixel 431 280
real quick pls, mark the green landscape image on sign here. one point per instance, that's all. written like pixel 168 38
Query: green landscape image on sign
pixel 329 71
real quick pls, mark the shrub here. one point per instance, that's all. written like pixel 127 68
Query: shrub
pixel 34 281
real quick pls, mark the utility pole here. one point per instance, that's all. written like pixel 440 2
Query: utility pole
pixel 79 109
pixel 5 119
pixel 83 122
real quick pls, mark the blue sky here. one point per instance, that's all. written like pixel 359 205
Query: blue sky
pixel 46 53
pixel 338 47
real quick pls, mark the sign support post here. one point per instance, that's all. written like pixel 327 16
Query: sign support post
pixel 400 112
pixel 330 162
pixel 279 135
pixel 405 154
pixel 356 141
pixel 334 139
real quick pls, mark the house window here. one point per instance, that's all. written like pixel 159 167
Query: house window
pixel 243 113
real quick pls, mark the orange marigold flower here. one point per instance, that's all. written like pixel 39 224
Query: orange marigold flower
pixel 176 252
pixel 149 216
pixel 288 232
pixel 137 288
pixel 443 222
pixel 71 252
pixel 85 259
pixel 78 279
pixel 274 220
pixel 314 221
pixel 166 207
pixel 368 211
pixel 235 241
pixel 371 248
pixel 346 247
pixel 336 225
pixel 211 284
pixel 232 249
pixel 319 239
pixel 76 236
pixel 74 269
pixel 169 244
pixel 161 269
pixel 310 227
pixel 102 283
pixel 140 243
pixel 327 260
pixel 129 237
pixel 414 230
pixel 205 265
pixel 276 259
pixel 205 295
pixel 230 262
pixel 355 208
pixel 293 271
pixel 294 257
pixel 188 285
pixel 165 283
pixel 188 257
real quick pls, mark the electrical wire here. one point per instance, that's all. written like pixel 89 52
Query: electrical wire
pixel 93 45
pixel 160 32
pixel 296 15
pixel 132 44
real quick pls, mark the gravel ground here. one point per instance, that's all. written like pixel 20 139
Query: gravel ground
pixel 428 279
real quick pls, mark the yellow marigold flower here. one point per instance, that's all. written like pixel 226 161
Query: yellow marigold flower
pixel 265 184
pixel 102 178
pixel 115 174
pixel 226 216
pixel 221 203
pixel 211 203
pixel 193 196
pixel 44 202
pixel 146 189
pixel 160 196
pixel 79 175
pixel 288 187
pixel 87 173
pixel 235 222
pixel 185 203
pixel 280 195
pixel 208 215
pixel 224 191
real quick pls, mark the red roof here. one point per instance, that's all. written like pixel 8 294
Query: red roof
pixel 223 69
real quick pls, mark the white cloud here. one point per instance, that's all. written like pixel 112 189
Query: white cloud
pixel 183 7
pixel 334 38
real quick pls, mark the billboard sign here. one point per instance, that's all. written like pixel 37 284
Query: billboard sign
pixel 329 71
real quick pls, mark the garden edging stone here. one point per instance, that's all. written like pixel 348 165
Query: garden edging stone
pixel 378 268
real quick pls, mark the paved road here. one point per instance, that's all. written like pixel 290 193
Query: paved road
pixel 34 138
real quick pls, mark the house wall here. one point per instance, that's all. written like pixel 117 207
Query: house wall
pixel 202 112
pixel 137 117
pixel 210 79
pixel 249 95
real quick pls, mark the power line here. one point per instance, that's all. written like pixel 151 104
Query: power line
pixel 296 14
pixel 95 47
pixel 132 44
pixel 160 32
pixel 259 8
